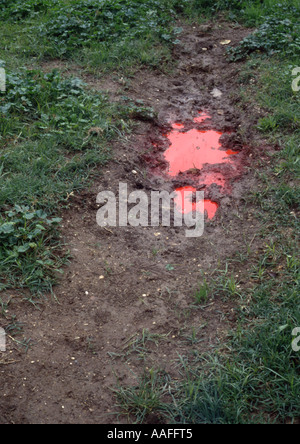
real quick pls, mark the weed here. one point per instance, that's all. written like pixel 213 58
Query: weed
pixel 36 104
pixel 15 10
pixel 147 397
pixel 275 35
pixel 139 343
pixel 29 257
pixel 105 33
pixel 193 338
pixel 202 294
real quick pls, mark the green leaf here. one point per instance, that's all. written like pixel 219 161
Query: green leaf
pixel 23 248
pixel 56 220
pixel 7 228
pixel 29 216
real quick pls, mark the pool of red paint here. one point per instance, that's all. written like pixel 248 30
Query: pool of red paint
pixel 185 204
pixel 193 149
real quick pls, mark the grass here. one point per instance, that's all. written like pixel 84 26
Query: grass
pixel 102 35
pixel 140 345
pixel 250 12
pixel 54 136
pixel 278 34
pixel 146 398
pixel 202 293
pixel 254 377
pixel 27 256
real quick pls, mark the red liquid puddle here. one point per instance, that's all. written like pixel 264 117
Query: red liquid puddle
pixel 194 149
pixel 185 204
pixel 211 208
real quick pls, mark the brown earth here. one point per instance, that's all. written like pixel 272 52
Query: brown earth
pixel 122 281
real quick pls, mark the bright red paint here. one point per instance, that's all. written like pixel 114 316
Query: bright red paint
pixel 194 149
pixel 185 203
pixel 231 153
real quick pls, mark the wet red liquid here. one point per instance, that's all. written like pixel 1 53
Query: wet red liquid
pixel 211 208
pixel 194 149
pixel 185 204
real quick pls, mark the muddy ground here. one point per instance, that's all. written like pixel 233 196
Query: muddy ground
pixel 122 281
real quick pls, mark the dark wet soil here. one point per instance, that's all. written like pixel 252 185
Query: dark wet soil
pixel 123 280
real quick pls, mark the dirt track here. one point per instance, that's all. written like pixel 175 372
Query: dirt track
pixel 119 281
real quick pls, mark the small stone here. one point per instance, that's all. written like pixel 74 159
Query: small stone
pixel 216 93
